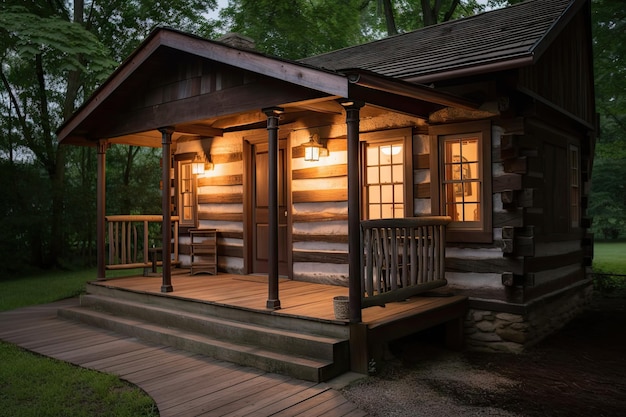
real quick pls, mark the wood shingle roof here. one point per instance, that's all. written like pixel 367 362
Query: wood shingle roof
pixel 508 37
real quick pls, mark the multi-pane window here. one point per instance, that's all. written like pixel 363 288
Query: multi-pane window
pixel 574 186
pixel 460 163
pixel 187 195
pixel 384 180
pixel 461 179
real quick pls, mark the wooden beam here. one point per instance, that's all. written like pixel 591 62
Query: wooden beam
pixel 235 100
pixel 355 272
pixel 223 198
pixel 326 171
pixel 166 228
pixel 221 217
pixel 319 217
pixel 198 129
pixel 236 179
pixel 326 238
pixel 324 257
pixel 319 196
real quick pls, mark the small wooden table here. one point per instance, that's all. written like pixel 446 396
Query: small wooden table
pixel 203 251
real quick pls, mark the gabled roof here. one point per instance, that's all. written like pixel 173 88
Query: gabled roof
pixel 511 37
pixel 96 118
pixel 166 38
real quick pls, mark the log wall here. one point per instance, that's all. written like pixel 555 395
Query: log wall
pixel 220 196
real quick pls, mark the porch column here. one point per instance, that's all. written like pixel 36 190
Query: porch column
pixel 100 210
pixel 354 210
pixel 166 142
pixel 272 113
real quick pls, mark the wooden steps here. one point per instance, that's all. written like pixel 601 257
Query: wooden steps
pixel 307 350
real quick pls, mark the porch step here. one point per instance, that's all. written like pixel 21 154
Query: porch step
pixel 301 355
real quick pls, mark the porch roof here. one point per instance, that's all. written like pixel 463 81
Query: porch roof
pixel 112 112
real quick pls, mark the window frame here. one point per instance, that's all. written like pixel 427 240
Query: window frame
pixel 186 159
pixel 381 138
pixel 574 167
pixel 457 231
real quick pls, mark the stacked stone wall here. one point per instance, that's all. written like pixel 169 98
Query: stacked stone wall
pixel 492 331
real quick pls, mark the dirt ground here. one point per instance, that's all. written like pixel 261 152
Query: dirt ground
pixel 579 371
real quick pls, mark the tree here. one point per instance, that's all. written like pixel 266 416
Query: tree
pixel 300 28
pixel 39 48
pixel 294 29
pixel 608 192
pixel 54 54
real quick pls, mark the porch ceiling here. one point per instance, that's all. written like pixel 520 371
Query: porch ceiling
pixel 296 116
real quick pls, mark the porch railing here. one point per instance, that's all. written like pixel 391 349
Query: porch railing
pixel 402 258
pixel 130 238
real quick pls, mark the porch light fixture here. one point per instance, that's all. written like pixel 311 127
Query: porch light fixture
pixel 200 164
pixel 391 149
pixel 313 149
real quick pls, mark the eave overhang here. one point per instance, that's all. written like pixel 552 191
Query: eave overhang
pixel 512 61
pixel 312 84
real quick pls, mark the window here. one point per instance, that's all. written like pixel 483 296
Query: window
pixel 385 192
pixel 461 179
pixel 186 195
pixel 574 186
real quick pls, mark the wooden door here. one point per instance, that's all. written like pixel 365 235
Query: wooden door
pixel 260 180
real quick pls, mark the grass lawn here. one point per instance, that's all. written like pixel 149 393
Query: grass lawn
pixel 32 385
pixel 610 257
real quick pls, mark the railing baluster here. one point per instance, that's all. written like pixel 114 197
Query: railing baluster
pixel 393 254
pixel 404 264
pixel 414 259
pixel 124 240
pixel 402 257
pixel 369 260
pixel 380 260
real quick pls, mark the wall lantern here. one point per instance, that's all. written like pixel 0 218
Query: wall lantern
pixel 313 149
pixel 200 164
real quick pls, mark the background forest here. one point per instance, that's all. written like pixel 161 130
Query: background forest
pixel 55 53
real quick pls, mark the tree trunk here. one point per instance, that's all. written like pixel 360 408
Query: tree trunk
pixel 389 18
pixel 430 12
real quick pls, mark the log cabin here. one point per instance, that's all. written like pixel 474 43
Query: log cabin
pixel 442 173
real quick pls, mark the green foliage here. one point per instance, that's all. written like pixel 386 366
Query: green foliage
pixel 52 60
pixel 294 29
pixel 24 207
pixel 66 45
pixel 301 28
pixel 609 267
pixel 608 193
pixel 38 386
pixel 609 257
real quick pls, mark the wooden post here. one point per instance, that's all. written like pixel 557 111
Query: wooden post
pixel 100 209
pixel 166 231
pixel 354 210
pixel 272 113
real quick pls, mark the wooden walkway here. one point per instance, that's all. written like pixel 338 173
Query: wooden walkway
pixel 181 383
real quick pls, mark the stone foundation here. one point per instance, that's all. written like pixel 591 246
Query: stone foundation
pixel 494 331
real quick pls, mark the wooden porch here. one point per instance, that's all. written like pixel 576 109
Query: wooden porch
pixel 400 291
pixel 307 301
pixel 225 316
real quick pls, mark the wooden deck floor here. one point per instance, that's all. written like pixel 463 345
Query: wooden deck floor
pixel 182 384
pixel 301 299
